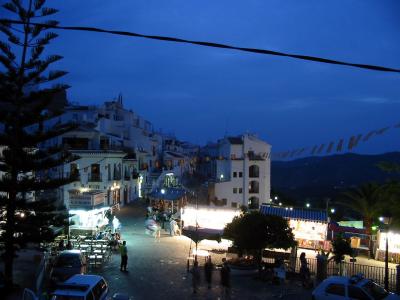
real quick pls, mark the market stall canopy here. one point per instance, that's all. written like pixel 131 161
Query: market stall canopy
pixel 169 194
pixel 295 213
pixel 348 231
pixel 202 234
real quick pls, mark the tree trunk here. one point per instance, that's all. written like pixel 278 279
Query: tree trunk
pixel 368 231
pixel 9 240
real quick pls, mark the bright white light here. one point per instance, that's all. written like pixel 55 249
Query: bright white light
pixel 84 189
pixel 276 198
pixel 200 252
pixel 22 215
pixel 89 218
pixel 280 203
pixel 286 208
pixel 332 210
pixel 207 217
pixel 308 230
pixel 162 191
pixel 222 176
pixel 291 208
pixel 381 219
pixel 139 186
pixel 393 242
pixel 169 174
pixel 308 205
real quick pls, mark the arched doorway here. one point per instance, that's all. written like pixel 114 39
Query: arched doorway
pixel 254 203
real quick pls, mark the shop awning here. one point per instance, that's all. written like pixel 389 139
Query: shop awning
pixel 169 194
pixel 294 213
pixel 202 234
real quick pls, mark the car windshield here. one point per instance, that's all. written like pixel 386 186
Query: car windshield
pixel 68 261
pixel 65 297
pixel 376 291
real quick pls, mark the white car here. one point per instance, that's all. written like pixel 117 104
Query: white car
pixel 356 287
pixel 82 287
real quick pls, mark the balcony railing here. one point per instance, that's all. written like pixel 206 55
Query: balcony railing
pixel 95 178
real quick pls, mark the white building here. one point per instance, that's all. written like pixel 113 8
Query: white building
pixel 241 171
pixel 119 153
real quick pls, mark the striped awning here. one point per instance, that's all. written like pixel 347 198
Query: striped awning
pixel 294 213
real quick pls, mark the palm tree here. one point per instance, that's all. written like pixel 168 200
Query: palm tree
pixel 367 201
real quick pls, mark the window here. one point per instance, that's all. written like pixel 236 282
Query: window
pixel 254 203
pixel 234 204
pixel 235 190
pixel 99 289
pixel 254 171
pixel 240 190
pixel 357 293
pixel 253 187
pixel 234 174
pixel 335 289
pixel 240 174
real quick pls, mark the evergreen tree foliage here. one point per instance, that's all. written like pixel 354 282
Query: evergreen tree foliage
pixel 253 231
pixel 24 165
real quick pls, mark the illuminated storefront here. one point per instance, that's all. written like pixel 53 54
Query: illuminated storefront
pixel 308 226
pixel 206 217
pixel 393 243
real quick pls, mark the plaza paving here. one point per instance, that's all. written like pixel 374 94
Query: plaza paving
pixel 157 269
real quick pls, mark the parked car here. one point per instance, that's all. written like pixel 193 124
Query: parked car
pixel 82 287
pixel 67 263
pixel 356 287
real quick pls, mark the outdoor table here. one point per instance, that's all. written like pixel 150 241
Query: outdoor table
pixel 95 259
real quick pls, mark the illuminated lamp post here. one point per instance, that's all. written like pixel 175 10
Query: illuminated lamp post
pixel 386 220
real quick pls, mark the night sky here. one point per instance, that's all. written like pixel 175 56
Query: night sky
pixel 200 94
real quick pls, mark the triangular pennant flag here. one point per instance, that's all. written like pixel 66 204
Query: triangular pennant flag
pixel 351 142
pixel 368 136
pixel 382 130
pixel 339 145
pixel 300 152
pixel 320 148
pixel 330 146
pixel 357 140
pixel 314 149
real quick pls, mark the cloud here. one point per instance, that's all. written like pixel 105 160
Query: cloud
pixel 376 100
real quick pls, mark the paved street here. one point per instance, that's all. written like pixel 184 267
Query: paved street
pixel 157 270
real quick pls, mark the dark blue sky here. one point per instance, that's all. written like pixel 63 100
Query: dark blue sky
pixel 200 93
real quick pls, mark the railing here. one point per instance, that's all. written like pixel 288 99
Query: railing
pixel 94 178
pixel 375 273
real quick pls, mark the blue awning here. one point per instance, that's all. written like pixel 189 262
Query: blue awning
pixel 295 213
pixel 169 194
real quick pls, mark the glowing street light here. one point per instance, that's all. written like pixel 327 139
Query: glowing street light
pixel 276 197
pixel 163 191
pixel 308 205
pixel 280 203
pixel 333 210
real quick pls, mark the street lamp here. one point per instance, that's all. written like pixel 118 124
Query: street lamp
pixel 163 191
pixel 308 205
pixel 280 203
pixel 332 210
pixel 386 220
pixel 276 197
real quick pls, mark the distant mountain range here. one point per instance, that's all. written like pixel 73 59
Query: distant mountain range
pixel 317 177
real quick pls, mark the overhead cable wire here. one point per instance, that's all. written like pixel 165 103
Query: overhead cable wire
pixel 210 44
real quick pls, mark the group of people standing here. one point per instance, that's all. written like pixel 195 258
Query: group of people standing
pixel 208 274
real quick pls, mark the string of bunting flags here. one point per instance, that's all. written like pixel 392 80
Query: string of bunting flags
pixel 334 146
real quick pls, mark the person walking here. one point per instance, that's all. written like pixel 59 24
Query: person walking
pixel 195 276
pixel 124 256
pixel 208 268
pixel 225 278
pixel 305 271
